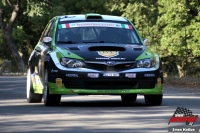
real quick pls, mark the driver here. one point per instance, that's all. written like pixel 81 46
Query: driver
pixel 113 35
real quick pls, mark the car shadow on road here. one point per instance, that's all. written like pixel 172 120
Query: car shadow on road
pixel 109 103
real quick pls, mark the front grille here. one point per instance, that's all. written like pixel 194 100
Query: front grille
pixel 103 67
pixel 146 83
pixel 109 83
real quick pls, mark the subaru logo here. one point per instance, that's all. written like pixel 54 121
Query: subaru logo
pixel 110 63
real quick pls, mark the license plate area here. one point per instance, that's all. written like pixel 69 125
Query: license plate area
pixel 111 74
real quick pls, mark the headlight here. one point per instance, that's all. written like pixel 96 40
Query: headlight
pixel 147 63
pixel 72 63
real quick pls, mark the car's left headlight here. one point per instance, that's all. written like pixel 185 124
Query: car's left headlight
pixel 146 63
pixel 72 63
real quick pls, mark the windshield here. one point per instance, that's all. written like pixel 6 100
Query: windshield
pixel 87 32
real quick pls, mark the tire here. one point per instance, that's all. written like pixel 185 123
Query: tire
pixel 129 98
pixel 30 95
pixel 153 99
pixel 49 99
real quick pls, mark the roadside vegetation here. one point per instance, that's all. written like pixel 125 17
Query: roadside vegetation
pixel 172 27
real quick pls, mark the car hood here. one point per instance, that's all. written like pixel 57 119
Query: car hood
pixel 94 52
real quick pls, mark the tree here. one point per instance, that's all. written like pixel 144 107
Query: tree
pixel 179 25
pixel 7 31
pixel 23 27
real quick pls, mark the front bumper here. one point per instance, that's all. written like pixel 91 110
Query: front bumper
pixel 78 82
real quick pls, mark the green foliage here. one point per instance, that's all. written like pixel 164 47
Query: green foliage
pixel 85 6
pixel 173 27
pixel 4 51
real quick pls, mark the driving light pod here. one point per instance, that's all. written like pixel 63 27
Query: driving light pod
pixel 79 64
pixel 147 63
pixel 71 63
pixel 139 64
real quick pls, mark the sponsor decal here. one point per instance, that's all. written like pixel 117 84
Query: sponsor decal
pixel 134 46
pixel 58 82
pixel 71 75
pixel 111 74
pixel 54 71
pixel 36 70
pixel 36 79
pixel 102 58
pixel 108 54
pixel 159 82
pixel 95 24
pixel 110 58
pixel 130 75
pixel 93 75
pixel 33 78
pixel 113 91
pixel 117 58
pixel 183 115
pixel 149 75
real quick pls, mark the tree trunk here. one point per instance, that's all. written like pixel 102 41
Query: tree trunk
pixel 14 51
pixel 180 71
pixel 7 31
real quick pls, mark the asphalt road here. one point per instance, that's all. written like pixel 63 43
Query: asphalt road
pixel 90 114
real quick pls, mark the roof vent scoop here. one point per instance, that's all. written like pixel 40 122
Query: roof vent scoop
pixel 93 16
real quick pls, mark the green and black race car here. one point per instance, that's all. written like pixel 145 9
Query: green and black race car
pixel 93 54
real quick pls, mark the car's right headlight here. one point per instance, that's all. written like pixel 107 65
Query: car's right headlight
pixel 72 63
pixel 146 63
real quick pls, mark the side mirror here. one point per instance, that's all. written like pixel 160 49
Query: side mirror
pixel 146 42
pixel 47 40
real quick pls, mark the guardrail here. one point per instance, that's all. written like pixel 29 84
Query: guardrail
pixel 6 67
pixel 6 70
pixel 12 74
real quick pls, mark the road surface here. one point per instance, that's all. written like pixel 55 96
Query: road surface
pixel 90 114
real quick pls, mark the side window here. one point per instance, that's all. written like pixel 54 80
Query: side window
pixel 50 33
pixel 48 30
pixel 134 37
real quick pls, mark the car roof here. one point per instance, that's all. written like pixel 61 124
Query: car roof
pixel 91 16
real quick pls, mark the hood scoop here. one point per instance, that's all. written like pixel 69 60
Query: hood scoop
pixel 106 48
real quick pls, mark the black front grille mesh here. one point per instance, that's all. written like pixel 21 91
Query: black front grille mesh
pixel 109 84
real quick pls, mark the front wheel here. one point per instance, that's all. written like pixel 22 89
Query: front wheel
pixel 30 95
pixel 50 99
pixel 129 98
pixel 153 99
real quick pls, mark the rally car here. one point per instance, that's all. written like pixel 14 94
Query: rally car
pixel 93 54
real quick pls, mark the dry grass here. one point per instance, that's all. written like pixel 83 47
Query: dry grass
pixel 182 82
